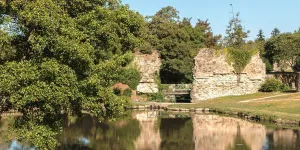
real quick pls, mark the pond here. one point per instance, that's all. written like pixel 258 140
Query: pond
pixel 155 130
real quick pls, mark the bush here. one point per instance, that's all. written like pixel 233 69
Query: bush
pixel 273 85
pixel 159 97
pixel 131 77
pixel 146 48
pixel 284 88
pixel 127 92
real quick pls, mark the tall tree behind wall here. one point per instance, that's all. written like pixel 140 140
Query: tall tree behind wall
pixel 178 42
pixel 236 34
pixel 284 48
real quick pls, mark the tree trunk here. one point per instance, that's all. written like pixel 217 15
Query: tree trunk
pixel 298 81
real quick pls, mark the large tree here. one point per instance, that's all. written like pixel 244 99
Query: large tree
pixel 60 57
pixel 236 34
pixel 260 36
pixel 178 42
pixel 275 32
pixel 284 49
pixel 210 40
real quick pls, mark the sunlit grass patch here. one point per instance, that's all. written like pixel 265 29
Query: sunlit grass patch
pixel 278 105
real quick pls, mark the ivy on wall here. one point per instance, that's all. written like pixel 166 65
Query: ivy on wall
pixel 239 58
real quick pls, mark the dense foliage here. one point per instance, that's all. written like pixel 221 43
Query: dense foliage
pixel 284 49
pixel 58 58
pixel 178 42
pixel 127 92
pixel 239 58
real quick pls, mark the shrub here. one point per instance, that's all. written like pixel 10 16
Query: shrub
pixel 146 48
pixel 131 77
pixel 284 88
pixel 273 85
pixel 127 92
pixel 156 97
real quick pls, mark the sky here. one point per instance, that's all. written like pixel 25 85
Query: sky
pixel 255 14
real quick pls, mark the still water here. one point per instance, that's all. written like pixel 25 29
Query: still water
pixel 160 131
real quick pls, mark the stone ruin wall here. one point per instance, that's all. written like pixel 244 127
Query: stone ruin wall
pixel 148 65
pixel 214 77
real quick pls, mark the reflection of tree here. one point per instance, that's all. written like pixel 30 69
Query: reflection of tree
pixel 104 136
pixel 240 143
pixel 3 135
pixel 6 136
pixel 284 139
pixel 176 133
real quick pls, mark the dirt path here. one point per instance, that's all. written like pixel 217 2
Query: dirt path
pixel 289 99
pixel 268 97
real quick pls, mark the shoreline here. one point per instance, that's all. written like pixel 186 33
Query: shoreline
pixel 163 107
pixel 242 115
pixel 277 108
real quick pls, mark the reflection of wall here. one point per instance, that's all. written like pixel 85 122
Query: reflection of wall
pixel 284 138
pixel 149 134
pixel 219 133
pixel 253 134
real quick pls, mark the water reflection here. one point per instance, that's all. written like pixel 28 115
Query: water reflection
pixel 284 139
pixel 89 133
pixel 4 138
pixel 148 131
pixel 149 137
pixel 221 133
pixel 176 133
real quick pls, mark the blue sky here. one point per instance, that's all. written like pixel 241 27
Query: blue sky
pixel 255 14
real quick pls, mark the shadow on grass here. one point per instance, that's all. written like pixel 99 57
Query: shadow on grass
pixel 290 91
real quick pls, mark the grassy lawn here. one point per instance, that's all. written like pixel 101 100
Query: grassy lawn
pixel 285 106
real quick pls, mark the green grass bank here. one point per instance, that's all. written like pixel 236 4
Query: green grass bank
pixel 280 107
